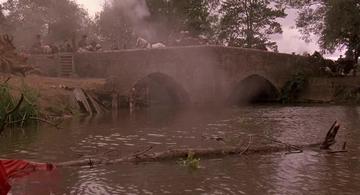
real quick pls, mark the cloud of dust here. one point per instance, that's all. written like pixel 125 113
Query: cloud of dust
pixel 136 11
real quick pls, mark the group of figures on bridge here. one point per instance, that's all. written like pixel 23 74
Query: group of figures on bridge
pixel 38 47
pixel 83 45
pixel 183 39
pixel 344 66
pixel 11 59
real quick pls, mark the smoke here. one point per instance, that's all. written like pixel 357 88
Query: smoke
pixel 136 11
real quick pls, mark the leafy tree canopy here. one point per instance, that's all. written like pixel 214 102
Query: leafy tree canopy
pixel 155 20
pixel 113 24
pixel 184 15
pixel 336 22
pixel 55 19
pixel 249 23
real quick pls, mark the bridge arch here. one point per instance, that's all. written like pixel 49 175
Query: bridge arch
pixel 253 89
pixel 160 89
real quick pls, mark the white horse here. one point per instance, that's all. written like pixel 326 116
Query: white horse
pixel 158 45
pixel 46 49
pixel 142 43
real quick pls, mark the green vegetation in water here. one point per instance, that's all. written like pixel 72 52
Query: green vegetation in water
pixel 293 88
pixel 191 161
pixel 27 110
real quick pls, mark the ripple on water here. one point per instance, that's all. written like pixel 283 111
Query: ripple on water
pixel 313 172
pixel 156 135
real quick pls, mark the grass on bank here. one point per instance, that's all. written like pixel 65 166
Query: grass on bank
pixel 28 108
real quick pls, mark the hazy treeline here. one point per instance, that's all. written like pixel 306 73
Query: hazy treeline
pixel 240 23
pixel 56 20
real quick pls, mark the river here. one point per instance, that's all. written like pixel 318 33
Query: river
pixel 310 172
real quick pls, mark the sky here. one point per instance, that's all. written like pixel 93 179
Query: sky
pixel 92 6
pixel 289 41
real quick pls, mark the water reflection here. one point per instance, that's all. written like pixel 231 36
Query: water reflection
pixel 311 172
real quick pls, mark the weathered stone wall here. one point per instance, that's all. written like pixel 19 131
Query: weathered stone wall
pixel 324 89
pixel 207 73
pixel 237 64
pixel 47 64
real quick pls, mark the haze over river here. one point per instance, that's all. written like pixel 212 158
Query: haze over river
pixel 310 172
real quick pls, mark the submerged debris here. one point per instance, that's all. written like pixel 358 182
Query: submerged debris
pixel 88 103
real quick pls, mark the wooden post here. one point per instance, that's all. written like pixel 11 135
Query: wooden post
pixel 147 97
pixel 115 101
pixel 132 100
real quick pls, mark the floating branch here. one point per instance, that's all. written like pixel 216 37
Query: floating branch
pixel 330 136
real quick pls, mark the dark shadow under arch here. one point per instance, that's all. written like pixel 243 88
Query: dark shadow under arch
pixel 160 89
pixel 253 89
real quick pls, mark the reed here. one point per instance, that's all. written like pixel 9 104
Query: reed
pixel 27 109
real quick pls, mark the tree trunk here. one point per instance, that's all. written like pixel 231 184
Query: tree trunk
pixel 177 154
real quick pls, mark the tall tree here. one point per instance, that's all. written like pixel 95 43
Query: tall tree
pixel 249 23
pixel 155 20
pixel 186 15
pixel 2 20
pixel 55 19
pixel 66 19
pixel 336 22
pixel 113 24
pixel 189 15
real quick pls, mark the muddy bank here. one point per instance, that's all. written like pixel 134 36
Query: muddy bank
pixel 55 95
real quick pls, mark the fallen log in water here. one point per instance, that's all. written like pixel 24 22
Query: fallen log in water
pixel 176 154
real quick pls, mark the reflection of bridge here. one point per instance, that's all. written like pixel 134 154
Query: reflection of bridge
pixel 200 74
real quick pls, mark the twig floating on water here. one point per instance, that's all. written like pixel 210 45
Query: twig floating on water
pixel 248 146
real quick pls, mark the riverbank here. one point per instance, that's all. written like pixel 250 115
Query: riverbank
pixel 55 95
pixel 331 90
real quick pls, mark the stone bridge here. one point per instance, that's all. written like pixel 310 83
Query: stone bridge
pixel 197 74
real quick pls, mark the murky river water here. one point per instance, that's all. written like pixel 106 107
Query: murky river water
pixel 310 172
